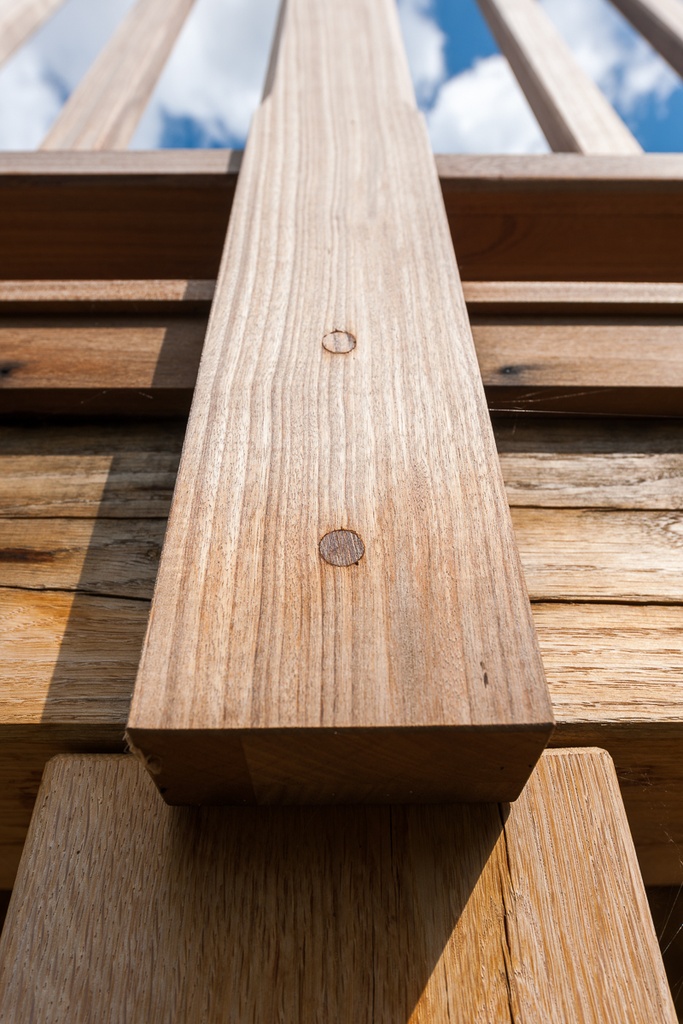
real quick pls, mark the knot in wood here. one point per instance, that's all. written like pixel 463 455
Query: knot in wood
pixel 341 547
pixel 339 342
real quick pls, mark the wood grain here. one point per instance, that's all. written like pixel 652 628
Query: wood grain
pixel 414 673
pixel 574 115
pixel 104 109
pixel 378 914
pixel 660 21
pixel 19 19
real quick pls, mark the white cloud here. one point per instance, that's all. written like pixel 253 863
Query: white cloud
pixel 625 67
pixel 216 72
pixel 482 110
pixel 424 43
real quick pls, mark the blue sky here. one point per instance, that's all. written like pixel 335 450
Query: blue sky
pixel 212 82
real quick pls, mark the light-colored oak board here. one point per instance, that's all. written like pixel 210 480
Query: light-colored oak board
pixel 377 914
pixel 116 470
pixel 24 752
pixel 572 297
pixel 573 114
pixel 660 21
pixel 19 19
pixel 390 442
pixel 109 557
pixel 601 555
pixel 649 763
pixel 103 110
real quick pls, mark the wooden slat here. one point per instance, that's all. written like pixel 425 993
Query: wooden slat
pixel 576 298
pixel 164 215
pixel 660 21
pixel 378 913
pixel 104 110
pixel 381 914
pixel 112 361
pixel 573 114
pixel 405 664
pixel 123 470
pixel 19 19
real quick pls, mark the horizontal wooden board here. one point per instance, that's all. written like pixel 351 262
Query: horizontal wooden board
pixel 458 913
pixel 129 470
pixel 567 554
pixel 568 298
pixel 147 364
pixel 120 470
pixel 557 217
pixel 109 557
pixel 70 660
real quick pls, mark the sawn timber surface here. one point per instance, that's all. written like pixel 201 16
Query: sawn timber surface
pixel 383 914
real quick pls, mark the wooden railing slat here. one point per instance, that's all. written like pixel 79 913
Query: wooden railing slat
pixel 20 19
pixel 572 112
pixel 104 110
pixel 661 22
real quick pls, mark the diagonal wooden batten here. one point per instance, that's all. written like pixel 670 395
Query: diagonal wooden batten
pixel 572 112
pixel 104 110
pixel 19 20
pixel 661 22
pixel 280 665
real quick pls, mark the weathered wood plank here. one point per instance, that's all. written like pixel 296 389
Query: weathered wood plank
pixel 660 21
pixel 405 664
pixel 574 115
pixel 20 19
pixel 463 898
pixel 164 215
pixel 567 554
pixel 104 109
pixel 106 296
pixel 109 557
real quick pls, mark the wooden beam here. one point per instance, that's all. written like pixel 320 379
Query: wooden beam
pixel 20 19
pixel 104 110
pixel 380 914
pixel 165 214
pixel 353 622
pixel 660 21
pixel 574 115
